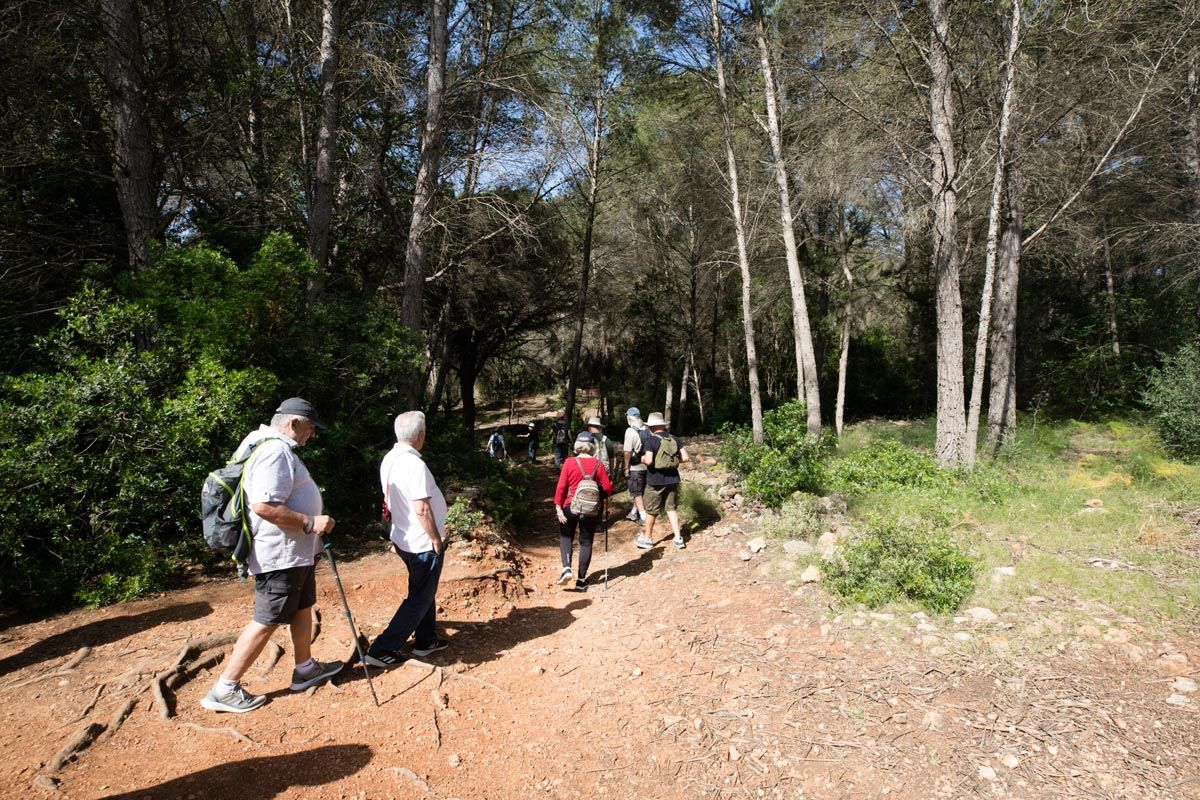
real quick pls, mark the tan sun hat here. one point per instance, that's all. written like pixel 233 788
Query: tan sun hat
pixel 595 422
pixel 655 420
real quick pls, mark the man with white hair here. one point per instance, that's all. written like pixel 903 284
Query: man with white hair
pixel 284 511
pixel 418 511
pixel 635 470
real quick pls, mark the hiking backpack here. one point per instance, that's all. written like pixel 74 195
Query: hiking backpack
pixel 495 444
pixel 588 499
pixel 560 434
pixel 667 454
pixel 223 508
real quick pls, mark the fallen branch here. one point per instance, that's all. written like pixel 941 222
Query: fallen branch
pixel 88 708
pixel 480 576
pixel 234 732
pixel 75 745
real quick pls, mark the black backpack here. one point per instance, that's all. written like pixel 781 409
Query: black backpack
pixel 223 508
pixel 560 434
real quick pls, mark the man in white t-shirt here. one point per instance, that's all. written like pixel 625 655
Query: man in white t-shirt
pixel 285 512
pixel 418 512
pixel 635 470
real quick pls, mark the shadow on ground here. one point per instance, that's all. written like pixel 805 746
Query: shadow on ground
pixel 102 631
pixel 261 778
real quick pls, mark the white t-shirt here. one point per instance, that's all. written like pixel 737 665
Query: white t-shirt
pixel 405 478
pixel 275 474
pixel 633 442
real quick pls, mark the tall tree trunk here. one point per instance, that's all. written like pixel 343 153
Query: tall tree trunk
pixel 669 402
pixel 739 227
pixel 585 268
pixel 1191 150
pixel 321 214
pixel 256 149
pixel 844 357
pixel 1110 289
pixel 807 385
pixel 427 174
pixel 696 386
pixel 292 52
pixel 993 236
pixel 1002 395
pixel 951 414
pixel 133 145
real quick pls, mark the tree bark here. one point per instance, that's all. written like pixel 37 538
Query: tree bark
pixel 321 214
pixel 133 147
pixel 951 414
pixel 1002 397
pixel 585 269
pixel 844 357
pixel 807 385
pixel 993 236
pixel 427 174
pixel 1191 150
pixel 739 227
pixel 1110 289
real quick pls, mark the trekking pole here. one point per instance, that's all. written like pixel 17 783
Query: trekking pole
pixel 606 545
pixel 350 619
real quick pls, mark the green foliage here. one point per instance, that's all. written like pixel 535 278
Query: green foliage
pixel 888 464
pixel 697 506
pixel 788 460
pixel 892 562
pixel 505 492
pixel 461 519
pixel 797 519
pixel 1173 397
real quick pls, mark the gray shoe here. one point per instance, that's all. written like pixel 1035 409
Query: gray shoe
pixel 236 700
pixel 642 542
pixel 319 671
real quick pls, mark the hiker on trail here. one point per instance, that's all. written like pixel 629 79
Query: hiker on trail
pixel 418 512
pixel 284 510
pixel 583 484
pixel 560 439
pixel 635 470
pixel 535 431
pixel 663 455
pixel 495 446
pixel 604 448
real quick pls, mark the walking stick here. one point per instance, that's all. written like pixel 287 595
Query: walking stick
pixel 606 544
pixel 350 619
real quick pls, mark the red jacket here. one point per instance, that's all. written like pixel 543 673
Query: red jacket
pixel 570 476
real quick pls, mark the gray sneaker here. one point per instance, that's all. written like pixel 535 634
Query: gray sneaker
pixel 642 542
pixel 319 671
pixel 236 700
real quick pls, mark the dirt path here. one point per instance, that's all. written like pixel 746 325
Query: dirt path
pixel 692 674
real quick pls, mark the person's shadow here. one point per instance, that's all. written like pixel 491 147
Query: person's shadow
pixel 261 778
pixel 102 631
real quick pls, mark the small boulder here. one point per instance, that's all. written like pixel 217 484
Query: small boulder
pixel 1172 664
pixel 828 539
pixel 1179 700
pixel 811 574
pixel 1183 686
pixel 757 544
pixel 1001 573
pixel 1095 502
pixel 797 547
pixel 980 615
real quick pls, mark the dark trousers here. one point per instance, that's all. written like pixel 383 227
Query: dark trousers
pixel 560 455
pixel 418 613
pixel 566 538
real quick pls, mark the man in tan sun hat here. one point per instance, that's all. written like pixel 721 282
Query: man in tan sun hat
pixel 604 448
pixel 662 457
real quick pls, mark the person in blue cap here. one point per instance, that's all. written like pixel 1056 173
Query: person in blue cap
pixel 635 470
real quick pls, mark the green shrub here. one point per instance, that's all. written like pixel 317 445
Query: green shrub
pixel 797 519
pixel 697 506
pixel 461 519
pixel 888 464
pixel 1173 396
pixel 789 459
pixel 892 562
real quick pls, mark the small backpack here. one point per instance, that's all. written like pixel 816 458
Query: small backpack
pixel 667 454
pixel 560 434
pixel 495 444
pixel 588 499
pixel 223 508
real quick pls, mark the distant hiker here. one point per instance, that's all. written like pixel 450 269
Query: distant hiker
pixel 604 448
pixel 583 484
pixel 560 440
pixel 635 470
pixel 663 455
pixel 418 512
pixel 535 431
pixel 495 446
pixel 284 510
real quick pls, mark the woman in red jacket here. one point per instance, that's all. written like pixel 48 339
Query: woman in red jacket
pixel 574 470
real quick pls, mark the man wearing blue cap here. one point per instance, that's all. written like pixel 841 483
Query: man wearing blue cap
pixel 635 470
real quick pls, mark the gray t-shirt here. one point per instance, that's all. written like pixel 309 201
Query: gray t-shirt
pixel 633 444
pixel 275 474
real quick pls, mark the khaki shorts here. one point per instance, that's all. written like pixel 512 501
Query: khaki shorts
pixel 279 594
pixel 661 498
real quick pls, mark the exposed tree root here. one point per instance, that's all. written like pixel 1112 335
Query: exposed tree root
pixel 77 658
pixel 158 688
pixel 197 646
pixel 276 653
pixel 316 624
pixel 234 732
pixel 75 745
pixel 437 732
pixel 88 709
pixel 46 783
pixel 119 716
pixel 63 670
pixel 496 573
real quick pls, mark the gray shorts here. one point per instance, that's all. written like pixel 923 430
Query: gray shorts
pixel 637 482
pixel 280 593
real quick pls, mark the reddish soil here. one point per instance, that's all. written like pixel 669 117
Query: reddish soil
pixel 691 674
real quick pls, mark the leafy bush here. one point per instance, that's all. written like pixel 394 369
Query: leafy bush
pixel 698 506
pixel 461 519
pixel 888 464
pixel 505 491
pixel 892 562
pixel 1173 397
pixel 789 459
pixel 797 519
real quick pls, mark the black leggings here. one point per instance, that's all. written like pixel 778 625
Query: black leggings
pixel 566 537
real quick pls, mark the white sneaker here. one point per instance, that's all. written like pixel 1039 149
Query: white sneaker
pixel 565 578
pixel 237 700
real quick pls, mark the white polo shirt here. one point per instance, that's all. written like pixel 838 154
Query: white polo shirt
pixel 275 474
pixel 404 477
